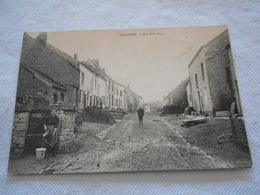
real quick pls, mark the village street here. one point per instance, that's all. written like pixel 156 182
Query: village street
pixel 128 146
pixel 88 101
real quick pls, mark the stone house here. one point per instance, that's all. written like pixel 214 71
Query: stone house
pixel 35 89
pixel 178 96
pixel 121 97
pixel 115 96
pixel 86 85
pixel 213 84
pixel 134 100
pixel 102 90
pixel 110 92
pixel 126 100
pixel 47 77
pixel 188 92
pixel 95 92
pixel 60 69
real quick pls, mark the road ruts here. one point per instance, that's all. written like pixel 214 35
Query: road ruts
pixel 157 145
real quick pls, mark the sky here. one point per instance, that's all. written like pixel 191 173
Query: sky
pixel 152 61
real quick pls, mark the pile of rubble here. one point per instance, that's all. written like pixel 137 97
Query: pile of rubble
pixel 97 115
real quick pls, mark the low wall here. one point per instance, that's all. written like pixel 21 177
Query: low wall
pixel 97 115
pixel 238 130
pixel 19 133
pixel 66 131
pixel 28 129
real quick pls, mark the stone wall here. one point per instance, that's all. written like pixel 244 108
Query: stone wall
pixel 238 130
pixel 19 133
pixel 55 66
pixel 216 61
pixel 31 89
pixel 209 76
pixel 199 84
pixel 66 131
pixel 28 129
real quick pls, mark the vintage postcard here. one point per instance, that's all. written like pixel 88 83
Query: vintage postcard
pixel 127 100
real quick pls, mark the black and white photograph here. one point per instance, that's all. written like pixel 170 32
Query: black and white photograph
pixel 155 99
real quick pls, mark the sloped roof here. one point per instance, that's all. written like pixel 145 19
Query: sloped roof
pixel 44 78
pixel 93 66
pixel 67 57
pixel 38 41
pixel 200 49
pixel 180 86
pixel 131 91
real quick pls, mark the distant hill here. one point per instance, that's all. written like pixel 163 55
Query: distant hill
pixel 155 104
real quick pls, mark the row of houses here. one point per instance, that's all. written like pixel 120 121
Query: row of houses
pixel 98 89
pixel 212 84
pixel 50 77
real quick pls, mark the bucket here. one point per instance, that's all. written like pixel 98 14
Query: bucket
pixel 40 153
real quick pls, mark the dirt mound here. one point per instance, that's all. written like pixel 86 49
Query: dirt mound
pixel 118 114
pixel 97 115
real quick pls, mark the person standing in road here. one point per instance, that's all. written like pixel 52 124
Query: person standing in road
pixel 140 114
pixel 51 124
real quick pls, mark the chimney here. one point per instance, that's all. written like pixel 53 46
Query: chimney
pixel 128 86
pixel 96 62
pixel 43 37
pixel 75 56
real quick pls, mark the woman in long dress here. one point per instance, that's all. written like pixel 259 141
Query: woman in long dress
pixel 51 124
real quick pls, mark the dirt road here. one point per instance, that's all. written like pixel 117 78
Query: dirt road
pixel 128 146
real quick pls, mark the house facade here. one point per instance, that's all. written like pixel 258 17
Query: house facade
pixel 178 96
pixel 126 100
pixel 98 89
pixel 189 96
pixel 47 78
pixel 121 97
pixel 49 67
pixel 86 83
pixel 213 84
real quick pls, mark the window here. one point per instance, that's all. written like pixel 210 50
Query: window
pixel 82 78
pixel 202 72
pixel 82 96
pixel 196 79
pixel 228 75
pixel 55 98
pixel 62 97
pixel 80 92
pixel 90 101
pixel 121 93
pixel 228 54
